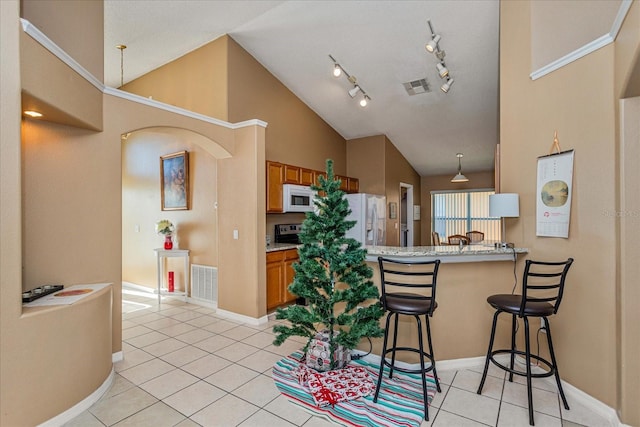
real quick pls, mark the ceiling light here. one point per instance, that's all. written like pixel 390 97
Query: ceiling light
pixel 445 87
pixel 432 46
pixel 353 92
pixel 443 71
pixel 338 70
pixel 459 176
pixel 33 114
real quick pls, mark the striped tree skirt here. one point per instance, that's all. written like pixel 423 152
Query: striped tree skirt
pixel 399 402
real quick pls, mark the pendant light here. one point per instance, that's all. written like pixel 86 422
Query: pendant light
pixel 459 177
pixel 121 47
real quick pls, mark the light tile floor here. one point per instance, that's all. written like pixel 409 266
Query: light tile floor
pixel 186 366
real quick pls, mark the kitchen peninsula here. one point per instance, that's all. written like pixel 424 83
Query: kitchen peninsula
pixel 446 254
pixel 467 276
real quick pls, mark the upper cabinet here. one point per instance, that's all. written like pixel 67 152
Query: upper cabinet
pixel 279 174
pixel 275 179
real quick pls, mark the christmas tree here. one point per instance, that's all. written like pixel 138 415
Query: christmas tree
pixel 332 277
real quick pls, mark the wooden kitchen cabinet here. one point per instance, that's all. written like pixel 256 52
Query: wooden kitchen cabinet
pixel 307 176
pixel 275 178
pixel 280 173
pixel 291 174
pixel 280 275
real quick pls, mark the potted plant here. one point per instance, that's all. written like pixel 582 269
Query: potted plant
pixel 333 279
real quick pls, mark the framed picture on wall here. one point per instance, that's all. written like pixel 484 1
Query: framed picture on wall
pixel 393 210
pixel 174 181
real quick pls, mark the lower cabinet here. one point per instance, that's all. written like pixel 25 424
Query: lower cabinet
pixel 280 275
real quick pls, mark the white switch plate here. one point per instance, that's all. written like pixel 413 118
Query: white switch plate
pixel 137 228
pixel 235 234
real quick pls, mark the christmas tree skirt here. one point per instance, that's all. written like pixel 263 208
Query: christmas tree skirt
pixel 399 402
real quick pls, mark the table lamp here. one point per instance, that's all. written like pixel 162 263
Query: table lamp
pixel 504 205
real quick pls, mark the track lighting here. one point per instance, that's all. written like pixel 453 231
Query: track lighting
pixel 338 70
pixel 443 71
pixel 447 85
pixel 459 176
pixel 433 46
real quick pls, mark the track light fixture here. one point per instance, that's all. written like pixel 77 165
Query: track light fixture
pixel 433 46
pixel 447 85
pixel 338 70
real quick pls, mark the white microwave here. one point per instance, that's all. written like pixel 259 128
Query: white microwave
pixel 297 198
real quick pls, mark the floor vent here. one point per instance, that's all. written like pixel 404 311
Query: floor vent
pixel 417 86
pixel 204 283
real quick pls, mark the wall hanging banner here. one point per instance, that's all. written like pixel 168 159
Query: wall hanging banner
pixel 553 195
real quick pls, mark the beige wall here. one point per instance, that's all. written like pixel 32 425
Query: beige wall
pixel 380 167
pixel 477 180
pixel 195 228
pixel 76 26
pixel 398 170
pixel 579 101
pixel 196 81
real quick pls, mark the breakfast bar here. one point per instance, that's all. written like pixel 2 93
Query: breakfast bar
pixel 461 323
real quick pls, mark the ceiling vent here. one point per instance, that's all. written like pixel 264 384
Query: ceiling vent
pixel 417 86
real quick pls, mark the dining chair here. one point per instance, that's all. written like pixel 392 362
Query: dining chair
pixel 435 238
pixel 457 238
pixel 475 236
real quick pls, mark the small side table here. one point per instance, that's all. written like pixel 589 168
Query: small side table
pixel 172 253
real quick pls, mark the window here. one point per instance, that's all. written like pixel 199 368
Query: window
pixel 456 212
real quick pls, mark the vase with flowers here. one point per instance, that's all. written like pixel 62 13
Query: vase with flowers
pixel 166 228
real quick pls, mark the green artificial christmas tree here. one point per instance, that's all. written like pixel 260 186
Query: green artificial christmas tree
pixel 332 277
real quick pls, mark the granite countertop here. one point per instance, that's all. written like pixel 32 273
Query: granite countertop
pixel 468 253
pixel 281 246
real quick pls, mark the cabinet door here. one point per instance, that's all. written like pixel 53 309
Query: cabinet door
pixel 344 182
pixel 274 284
pixel 291 174
pixel 275 176
pixel 307 177
pixel 354 185
pixel 275 277
pixel 290 257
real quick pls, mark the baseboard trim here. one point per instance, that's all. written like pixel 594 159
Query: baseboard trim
pixel 242 318
pixel 572 393
pixel 81 406
pixel 117 357
pixel 139 288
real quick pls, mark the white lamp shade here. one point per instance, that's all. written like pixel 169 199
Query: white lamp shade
pixel 504 205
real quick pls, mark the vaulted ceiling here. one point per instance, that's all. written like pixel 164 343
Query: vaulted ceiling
pixel 382 43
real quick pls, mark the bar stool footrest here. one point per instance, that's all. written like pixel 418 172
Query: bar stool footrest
pixel 551 370
pixel 408 370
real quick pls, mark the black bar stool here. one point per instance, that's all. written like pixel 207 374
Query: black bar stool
pixel 398 279
pixel 542 289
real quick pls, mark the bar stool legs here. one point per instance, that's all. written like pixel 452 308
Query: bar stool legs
pixel 553 366
pixel 420 350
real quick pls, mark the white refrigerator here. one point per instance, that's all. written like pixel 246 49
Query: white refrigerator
pixel 369 212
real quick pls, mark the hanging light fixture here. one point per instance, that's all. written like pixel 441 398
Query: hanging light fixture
pixel 121 47
pixel 459 176
pixel 338 70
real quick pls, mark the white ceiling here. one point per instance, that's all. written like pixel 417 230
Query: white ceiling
pixel 380 42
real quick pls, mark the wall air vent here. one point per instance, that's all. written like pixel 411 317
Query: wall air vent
pixel 417 86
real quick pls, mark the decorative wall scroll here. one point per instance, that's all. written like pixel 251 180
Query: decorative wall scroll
pixel 553 195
